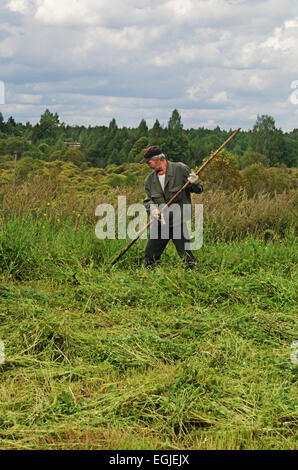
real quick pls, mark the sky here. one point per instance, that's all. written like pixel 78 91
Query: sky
pixel 219 62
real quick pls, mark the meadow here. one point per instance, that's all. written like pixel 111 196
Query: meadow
pixel 122 357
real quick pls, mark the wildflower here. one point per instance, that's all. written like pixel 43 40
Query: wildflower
pixel 58 220
pixel 48 203
pixel 79 215
pixel 44 214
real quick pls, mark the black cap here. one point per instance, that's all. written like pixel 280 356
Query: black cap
pixel 151 152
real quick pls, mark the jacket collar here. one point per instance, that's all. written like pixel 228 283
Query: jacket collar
pixel 169 174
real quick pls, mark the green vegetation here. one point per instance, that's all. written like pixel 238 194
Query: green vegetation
pixel 101 357
pixel 101 146
pixel 129 358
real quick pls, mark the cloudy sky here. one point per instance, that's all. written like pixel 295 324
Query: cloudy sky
pixel 219 62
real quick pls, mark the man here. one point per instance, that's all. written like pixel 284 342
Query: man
pixel 161 185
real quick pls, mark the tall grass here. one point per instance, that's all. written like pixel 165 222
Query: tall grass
pixel 235 215
pixel 226 216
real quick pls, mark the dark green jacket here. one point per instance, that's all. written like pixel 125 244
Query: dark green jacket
pixel 176 177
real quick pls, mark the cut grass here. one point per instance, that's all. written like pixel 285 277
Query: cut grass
pixel 126 358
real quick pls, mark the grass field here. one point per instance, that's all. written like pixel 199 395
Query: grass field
pixel 129 358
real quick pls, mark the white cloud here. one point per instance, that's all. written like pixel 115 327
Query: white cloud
pixel 283 40
pixel 199 90
pixel 180 8
pixel 216 55
pixel 25 98
pixel 66 12
pixel 292 23
pixel 19 6
pixel 256 82
pixel 80 13
pixel 220 97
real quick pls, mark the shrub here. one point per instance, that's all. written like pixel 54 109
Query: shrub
pixel 223 173
pixel 75 156
pixel 250 157
pixel 267 180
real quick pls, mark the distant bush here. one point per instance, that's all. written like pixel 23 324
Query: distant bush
pixel 250 157
pixel 57 155
pixel 26 165
pixel 223 173
pixel 115 180
pixel 44 149
pixel 14 144
pixel 235 215
pixel 75 156
pixel 259 179
pixel 6 162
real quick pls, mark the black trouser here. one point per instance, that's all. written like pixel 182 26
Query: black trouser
pixel 155 247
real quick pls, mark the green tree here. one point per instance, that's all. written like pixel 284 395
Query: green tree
pixel 255 177
pixel 45 150
pixel 267 180
pixel 56 155
pixel 175 144
pixel 250 157
pixel 48 128
pixel 291 153
pixel 176 147
pixel 14 144
pixel 6 162
pixel 174 122
pixel 2 124
pixel 112 127
pixel 223 173
pixel 156 134
pixel 12 128
pixel 74 155
pixel 208 144
pixel 25 166
pixel 83 137
pixel 96 142
pixel 267 139
pixel 142 129
pixel 136 152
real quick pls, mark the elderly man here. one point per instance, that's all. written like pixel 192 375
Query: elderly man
pixel 161 185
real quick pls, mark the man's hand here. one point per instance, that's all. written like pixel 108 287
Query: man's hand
pixel 156 214
pixel 193 178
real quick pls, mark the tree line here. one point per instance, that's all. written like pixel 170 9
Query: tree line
pixel 101 146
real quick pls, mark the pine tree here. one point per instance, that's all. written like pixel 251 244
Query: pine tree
pixel 267 139
pixel 174 122
pixel 142 129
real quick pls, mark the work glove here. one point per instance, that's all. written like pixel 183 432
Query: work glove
pixel 156 214
pixel 193 178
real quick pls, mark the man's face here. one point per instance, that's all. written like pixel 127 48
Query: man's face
pixel 154 164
